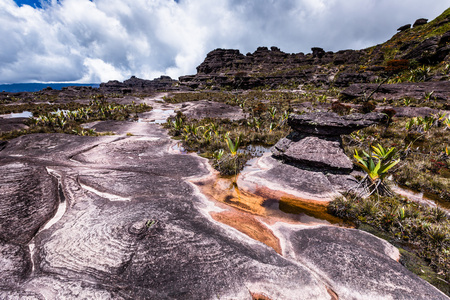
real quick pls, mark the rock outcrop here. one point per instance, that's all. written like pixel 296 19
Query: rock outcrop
pixel 416 90
pixel 126 223
pixel 315 141
pixel 137 85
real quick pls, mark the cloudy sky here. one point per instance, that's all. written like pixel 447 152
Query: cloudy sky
pixel 101 40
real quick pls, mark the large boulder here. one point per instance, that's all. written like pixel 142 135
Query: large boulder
pixel 331 124
pixel 315 152
pixel 420 22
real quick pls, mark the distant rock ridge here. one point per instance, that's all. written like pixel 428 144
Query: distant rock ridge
pixel 273 68
pixel 135 84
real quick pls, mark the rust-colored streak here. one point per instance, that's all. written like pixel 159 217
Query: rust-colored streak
pixel 249 225
pixel 258 296
pixel 333 295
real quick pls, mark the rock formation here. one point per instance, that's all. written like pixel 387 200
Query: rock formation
pixel 315 141
pixel 115 217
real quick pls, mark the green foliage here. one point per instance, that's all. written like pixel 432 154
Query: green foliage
pixel 376 167
pixel 233 146
pixel 69 121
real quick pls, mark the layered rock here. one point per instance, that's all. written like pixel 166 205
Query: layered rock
pixel 416 90
pixel 315 142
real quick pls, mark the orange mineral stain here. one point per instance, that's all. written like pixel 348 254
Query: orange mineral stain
pixel 250 226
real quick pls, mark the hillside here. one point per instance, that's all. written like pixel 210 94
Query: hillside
pixel 409 50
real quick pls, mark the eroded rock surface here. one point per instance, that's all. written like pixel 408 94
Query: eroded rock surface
pixel 133 227
pixel 363 256
pixel 29 197
pixel 331 124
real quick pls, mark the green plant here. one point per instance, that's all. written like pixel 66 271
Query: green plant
pixel 233 146
pixel 376 167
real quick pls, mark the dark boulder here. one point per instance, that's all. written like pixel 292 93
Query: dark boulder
pixel 331 124
pixel 404 27
pixel 317 52
pixel 318 152
pixel 420 22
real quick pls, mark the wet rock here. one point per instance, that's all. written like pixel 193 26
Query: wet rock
pixel 419 22
pixel 331 124
pixel 99 240
pixel 134 227
pixel 347 258
pixel 29 199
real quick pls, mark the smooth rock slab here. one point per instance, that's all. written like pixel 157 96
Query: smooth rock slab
pixel 358 265
pixel 318 153
pixel 29 197
pixel 185 255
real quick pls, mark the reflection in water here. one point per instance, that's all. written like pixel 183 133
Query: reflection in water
pixel 275 205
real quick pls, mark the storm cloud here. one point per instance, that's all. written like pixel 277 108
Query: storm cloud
pixel 100 40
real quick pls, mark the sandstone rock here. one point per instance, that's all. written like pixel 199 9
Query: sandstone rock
pixel 300 182
pixel 139 85
pixel 420 22
pixel 29 199
pixel 404 27
pixel 15 264
pixel 317 52
pixel 319 153
pixel 331 124
pixel 133 227
pixel 347 273
pixel 12 124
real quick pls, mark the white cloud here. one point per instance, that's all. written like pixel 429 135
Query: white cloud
pixel 82 40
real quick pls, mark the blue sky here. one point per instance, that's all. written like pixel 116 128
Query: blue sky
pixel 32 3
pixel 100 40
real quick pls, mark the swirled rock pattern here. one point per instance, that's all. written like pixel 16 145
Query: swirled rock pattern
pixel 130 225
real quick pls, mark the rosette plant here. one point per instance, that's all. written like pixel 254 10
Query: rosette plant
pixel 376 165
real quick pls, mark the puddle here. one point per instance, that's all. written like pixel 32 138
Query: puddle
pixel 24 114
pixel 255 150
pixel 178 148
pixel 273 205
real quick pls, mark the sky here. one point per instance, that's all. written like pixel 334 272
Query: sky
pixel 92 41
